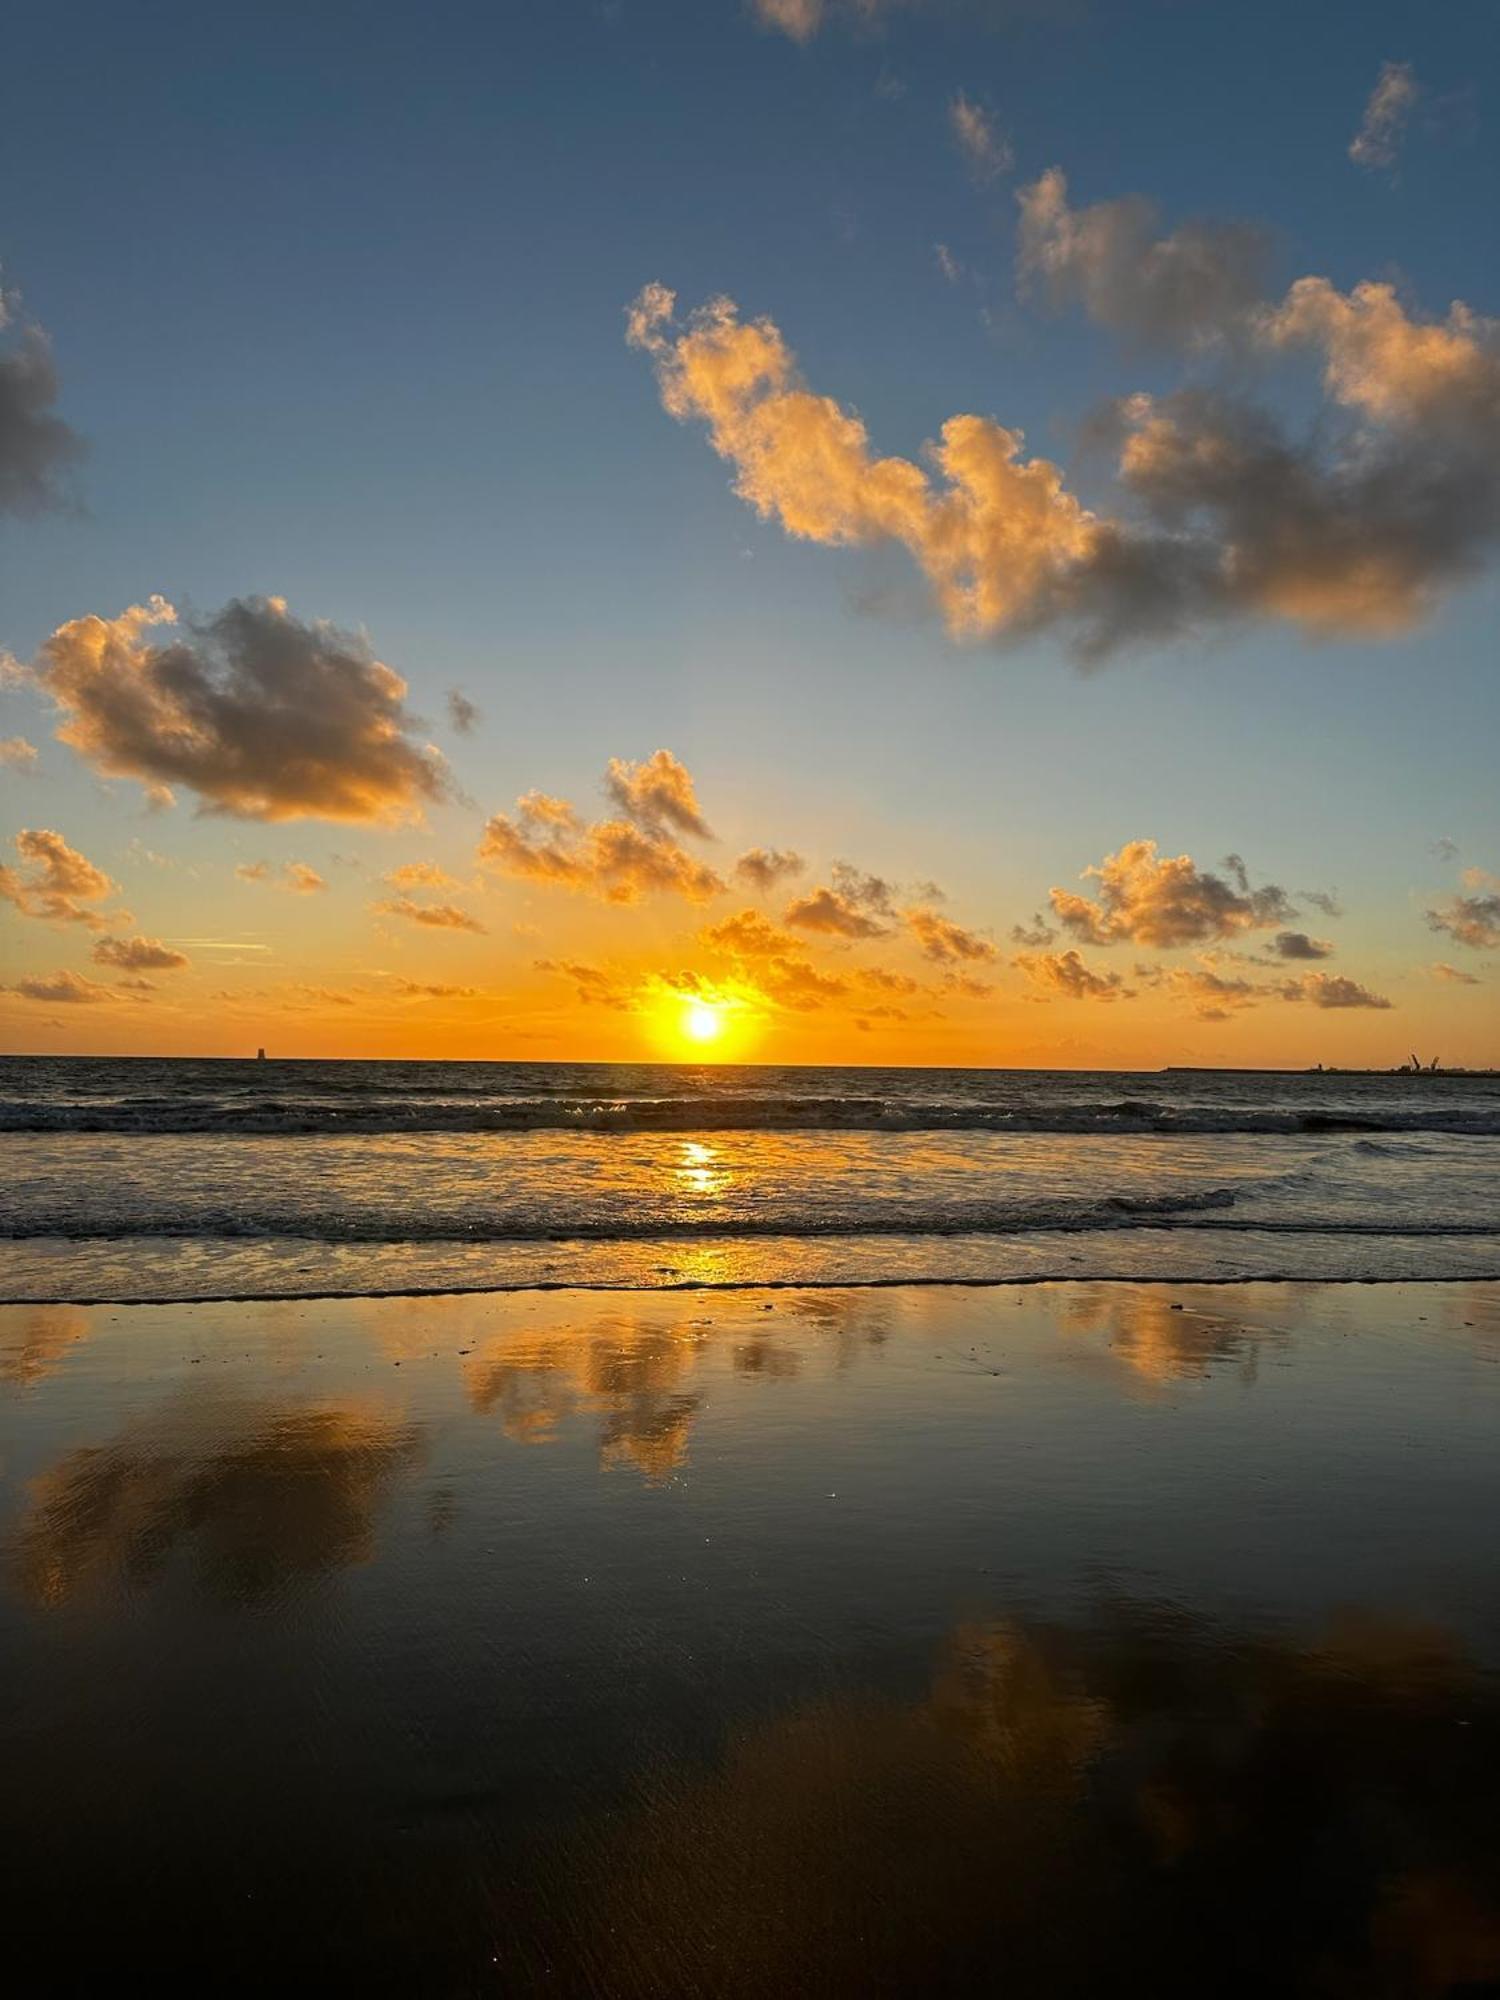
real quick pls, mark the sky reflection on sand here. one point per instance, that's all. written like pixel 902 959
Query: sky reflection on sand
pixel 673 1643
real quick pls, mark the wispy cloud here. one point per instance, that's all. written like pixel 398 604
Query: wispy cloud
pixel 985 148
pixel 297 877
pixel 1377 143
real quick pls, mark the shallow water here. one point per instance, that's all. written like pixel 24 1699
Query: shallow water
pixel 147 1179
pixel 1051 1639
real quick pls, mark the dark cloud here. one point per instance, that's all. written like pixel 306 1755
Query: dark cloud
pixel 462 713
pixel 262 715
pixel 1297 944
pixel 1182 289
pixel 37 449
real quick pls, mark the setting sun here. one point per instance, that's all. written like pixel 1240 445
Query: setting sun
pixel 702 1021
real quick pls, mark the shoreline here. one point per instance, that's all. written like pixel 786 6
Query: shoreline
pixel 711 1286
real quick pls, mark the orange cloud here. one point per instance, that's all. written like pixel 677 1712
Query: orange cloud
pixel 766 868
pixel 138 954
pixel 55 880
pixel 70 988
pixel 433 916
pixel 944 941
pixel 1164 902
pixel 1065 975
pixel 295 876
pixel 620 860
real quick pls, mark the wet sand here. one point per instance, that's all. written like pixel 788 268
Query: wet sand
pixel 1051 1639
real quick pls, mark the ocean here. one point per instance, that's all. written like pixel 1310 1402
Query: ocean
pixel 176 1179
pixel 703 1573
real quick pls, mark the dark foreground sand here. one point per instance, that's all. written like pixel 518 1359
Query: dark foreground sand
pixel 1053 1640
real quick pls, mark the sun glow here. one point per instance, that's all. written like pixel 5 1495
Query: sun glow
pixel 703 1021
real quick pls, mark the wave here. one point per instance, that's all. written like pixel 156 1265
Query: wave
pixel 389 1114
pixel 1207 1211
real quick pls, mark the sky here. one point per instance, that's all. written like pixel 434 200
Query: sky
pixel 933 531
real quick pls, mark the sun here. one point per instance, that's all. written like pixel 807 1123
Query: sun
pixel 702 1021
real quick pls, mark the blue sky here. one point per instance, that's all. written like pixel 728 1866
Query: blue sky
pixel 336 298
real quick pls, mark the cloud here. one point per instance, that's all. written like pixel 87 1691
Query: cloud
pixel 1166 902
pixel 138 954
pixel 1391 498
pixel 416 989
pixel 1445 849
pixel 748 934
pixel 765 868
pixel 1322 900
pixel 1183 289
pixel 1378 141
pixel 1327 989
pixel 17 754
pixel 985 148
pixel 462 713
pixel 1214 997
pixel 295 876
pixel 1453 977
pixel 262 715
pixel 420 875
pixel 835 915
pixel 1297 944
pixel 68 987
pixel 592 984
pixel 37 449
pixel 55 880
pixel 947 263
pixel 1471 920
pixel 620 860
pixel 944 941
pixel 1035 934
pixel 1065 975
pixel 432 916
pixel 656 795
pixel 800 20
